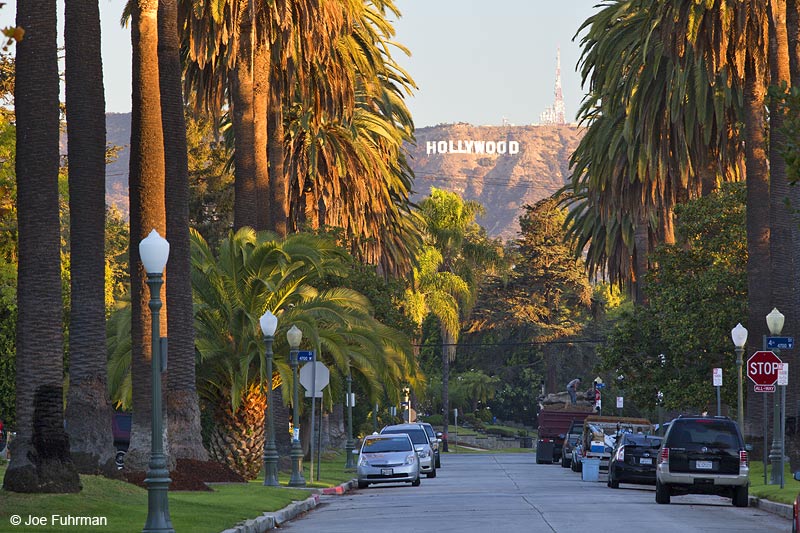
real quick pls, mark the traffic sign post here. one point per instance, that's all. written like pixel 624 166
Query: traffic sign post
pixel 717 380
pixel 783 381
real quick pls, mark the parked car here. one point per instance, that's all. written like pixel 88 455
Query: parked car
pixel 703 455
pixel 577 455
pixel 121 429
pixel 634 460
pixel 436 442
pixel 427 463
pixel 571 438
pixel 796 509
pixel 388 459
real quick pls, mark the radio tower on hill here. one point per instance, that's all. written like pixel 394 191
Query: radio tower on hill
pixel 555 114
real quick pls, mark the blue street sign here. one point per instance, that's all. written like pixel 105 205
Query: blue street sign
pixel 600 386
pixel 782 343
pixel 305 355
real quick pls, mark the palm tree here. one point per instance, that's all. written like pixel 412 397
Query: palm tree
pixel 254 272
pixel 457 259
pixel 182 403
pixel 147 212
pixel 41 460
pixel 88 411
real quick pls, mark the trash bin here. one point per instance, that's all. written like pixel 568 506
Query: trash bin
pixel 544 452
pixel 591 469
pixel 526 442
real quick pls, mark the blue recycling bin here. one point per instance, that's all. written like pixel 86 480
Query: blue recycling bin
pixel 591 469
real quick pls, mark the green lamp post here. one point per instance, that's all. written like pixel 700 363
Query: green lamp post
pixel 269 323
pixel 294 336
pixel 154 251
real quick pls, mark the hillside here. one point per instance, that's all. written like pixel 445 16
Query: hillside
pixel 466 159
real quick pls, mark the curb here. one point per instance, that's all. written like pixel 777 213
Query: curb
pixel 273 520
pixel 780 509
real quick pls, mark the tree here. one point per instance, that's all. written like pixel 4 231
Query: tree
pixel 456 259
pixel 182 404
pixel 88 408
pixel 147 212
pixel 41 460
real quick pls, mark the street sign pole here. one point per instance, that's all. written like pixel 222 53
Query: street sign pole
pixel 313 402
pixel 783 381
pixel 764 423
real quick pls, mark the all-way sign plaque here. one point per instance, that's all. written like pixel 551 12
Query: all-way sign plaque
pixel 763 388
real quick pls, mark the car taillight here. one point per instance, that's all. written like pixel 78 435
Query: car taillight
pixel 663 456
pixel 621 454
pixel 743 458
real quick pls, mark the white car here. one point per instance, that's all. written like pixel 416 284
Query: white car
pixel 388 459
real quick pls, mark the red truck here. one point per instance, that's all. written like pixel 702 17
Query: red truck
pixel 553 425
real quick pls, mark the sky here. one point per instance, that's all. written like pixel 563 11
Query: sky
pixel 475 61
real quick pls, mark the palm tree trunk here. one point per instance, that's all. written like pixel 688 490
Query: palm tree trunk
pixel 759 286
pixel 279 183
pixel 182 403
pixel 146 179
pixel 88 411
pixel 260 137
pixel 40 458
pixel 447 350
pixel 641 239
pixel 245 199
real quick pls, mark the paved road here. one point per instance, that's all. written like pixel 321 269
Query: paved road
pixel 509 493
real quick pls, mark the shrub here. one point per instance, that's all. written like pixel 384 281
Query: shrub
pixel 434 420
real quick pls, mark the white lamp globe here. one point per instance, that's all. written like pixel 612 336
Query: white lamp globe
pixel 154 251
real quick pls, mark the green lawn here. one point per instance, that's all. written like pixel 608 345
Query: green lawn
pixel 125 505
pixel 772 492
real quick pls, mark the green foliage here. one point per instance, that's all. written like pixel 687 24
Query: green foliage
pixel 697 294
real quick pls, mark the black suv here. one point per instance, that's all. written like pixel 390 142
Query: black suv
pixel 703 455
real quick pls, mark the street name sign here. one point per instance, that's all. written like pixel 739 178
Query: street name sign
pixel 304 356
pixel 781 343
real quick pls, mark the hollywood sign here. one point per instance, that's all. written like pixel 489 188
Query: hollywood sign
pixel 472 147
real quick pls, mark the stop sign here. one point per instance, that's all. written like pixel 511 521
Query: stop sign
pixel 762 368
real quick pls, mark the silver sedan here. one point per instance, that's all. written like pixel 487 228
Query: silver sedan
pixel 388 459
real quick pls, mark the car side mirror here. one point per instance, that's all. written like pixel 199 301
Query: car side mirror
pixel 748 447
pixel 438 434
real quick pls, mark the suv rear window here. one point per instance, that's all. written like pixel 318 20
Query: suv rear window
pixel 710 433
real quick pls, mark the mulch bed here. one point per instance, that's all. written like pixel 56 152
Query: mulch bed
pixel 192 475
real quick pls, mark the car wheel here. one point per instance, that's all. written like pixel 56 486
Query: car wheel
pixel 740 498
pixel 432 473
pixel 438 461
pixel 416 482
pixel 662 493
pixel 119 459
pixel 362 484
pixel 564 462
pixel 612 481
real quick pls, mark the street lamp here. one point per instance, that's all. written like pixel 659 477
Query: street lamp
pixel 349 445
pixel 294 336
pixel 269 323
pixel 739 336
pixel 775 321
pixel 154 251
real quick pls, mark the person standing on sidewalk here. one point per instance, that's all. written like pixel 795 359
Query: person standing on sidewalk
pixel 572 389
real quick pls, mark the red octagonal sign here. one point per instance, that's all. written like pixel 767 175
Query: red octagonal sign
pixel 762 368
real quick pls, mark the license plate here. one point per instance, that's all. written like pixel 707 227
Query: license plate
pixel 387 471
pixel 704 465
pixel 646 461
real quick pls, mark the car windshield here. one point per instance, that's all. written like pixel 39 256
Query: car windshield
pixel 429 431
pixel 418 436
pixel 710 433
pixel 390 444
